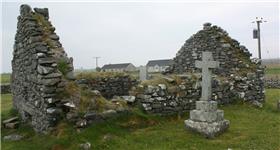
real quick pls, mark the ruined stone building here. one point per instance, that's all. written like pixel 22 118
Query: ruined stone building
pixel 237 78
pixel 245 74
pixel 39 68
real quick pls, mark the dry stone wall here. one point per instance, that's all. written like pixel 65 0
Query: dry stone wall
pixel 169 98
pixel 236 67
pixel 39 67
pixel 110 86
pixel 180 97
pixel 272 83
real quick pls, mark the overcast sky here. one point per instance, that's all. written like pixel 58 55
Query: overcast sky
pixel 138 32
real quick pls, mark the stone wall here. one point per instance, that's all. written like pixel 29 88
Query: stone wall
pixel 272 83
pixel 171 97
pixel 110 86
pixel 5 88
pixel 39 66
pixel 235 64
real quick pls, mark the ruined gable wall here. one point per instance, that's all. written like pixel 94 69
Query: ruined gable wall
pixel 38 68
pixel 245 74
pixel 237 78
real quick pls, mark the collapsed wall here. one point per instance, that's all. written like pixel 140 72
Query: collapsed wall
pixel 39 69
pixel 108 84
pixel 245 74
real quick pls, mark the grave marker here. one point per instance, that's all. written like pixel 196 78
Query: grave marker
pixel 206 119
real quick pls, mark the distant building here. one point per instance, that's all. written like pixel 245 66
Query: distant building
pixel 124 67
pixel 159 65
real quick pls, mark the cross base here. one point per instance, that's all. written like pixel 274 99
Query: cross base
pixel 207 129
pixel 207 119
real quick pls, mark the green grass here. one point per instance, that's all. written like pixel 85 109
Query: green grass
pixel 5 78
pixel 272 71
pixel 250 128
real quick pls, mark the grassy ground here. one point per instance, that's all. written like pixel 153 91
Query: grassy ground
pixel 272 71
pixel 250 128
pixel 5 78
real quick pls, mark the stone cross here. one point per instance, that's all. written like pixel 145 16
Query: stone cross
pixel 206 118
pixel 206 64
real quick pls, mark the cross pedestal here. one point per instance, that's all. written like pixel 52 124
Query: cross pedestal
pixel 206 119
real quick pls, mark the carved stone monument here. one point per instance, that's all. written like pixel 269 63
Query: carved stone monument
pixel 206 119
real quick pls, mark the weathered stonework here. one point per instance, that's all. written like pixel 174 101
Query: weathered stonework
pixel 272 83
pixel 246 75
pixel 165 99
pixel 237 78
pixel 118 85
pixel 39 67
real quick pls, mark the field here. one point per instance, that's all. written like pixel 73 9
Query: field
pixel 272 71
pixel 5 78
pixel 250 128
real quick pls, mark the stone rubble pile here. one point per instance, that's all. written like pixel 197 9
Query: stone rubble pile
pixel 39 64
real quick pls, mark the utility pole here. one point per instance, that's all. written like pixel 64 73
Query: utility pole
pixel 257 34
pixel 96 61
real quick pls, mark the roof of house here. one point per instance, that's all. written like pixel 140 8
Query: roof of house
pixel 162 62
pixel 115 66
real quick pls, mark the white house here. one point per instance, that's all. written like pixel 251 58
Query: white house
pixel 124 67
pixel 159 65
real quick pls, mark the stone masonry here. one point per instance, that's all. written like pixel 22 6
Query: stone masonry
pixel 246 75
pixel 206 118
pixel 39 69
pixel 237 78
pixel 109 86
